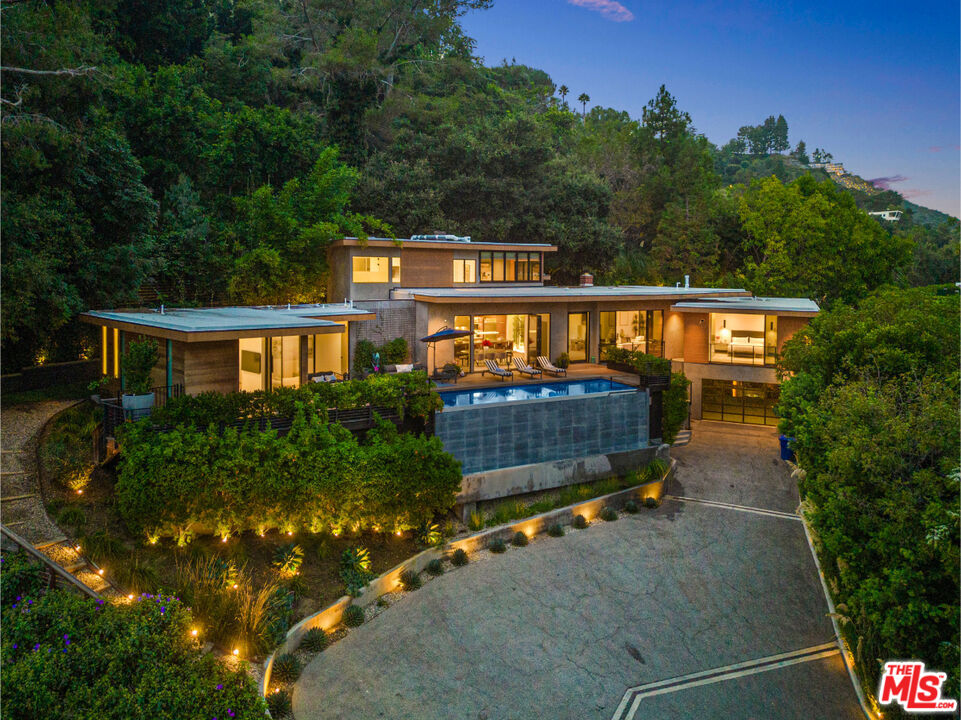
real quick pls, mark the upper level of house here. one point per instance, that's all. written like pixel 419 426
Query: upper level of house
pixel 369 270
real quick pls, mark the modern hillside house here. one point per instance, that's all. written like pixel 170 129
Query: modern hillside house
pixel 724 340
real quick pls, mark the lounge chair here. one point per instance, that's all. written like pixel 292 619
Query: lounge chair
pixel 524 369
pixel 496 371
pixel 548 366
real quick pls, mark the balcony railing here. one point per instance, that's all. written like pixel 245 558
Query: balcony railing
pixel 742 354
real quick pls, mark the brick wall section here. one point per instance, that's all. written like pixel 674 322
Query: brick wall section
pixel 487 437
pixel 395 318
pixel 427 268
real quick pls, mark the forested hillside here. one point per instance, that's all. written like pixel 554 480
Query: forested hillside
pixel 206 151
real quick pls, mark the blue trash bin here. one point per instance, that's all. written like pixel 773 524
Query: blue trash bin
pixel 786 452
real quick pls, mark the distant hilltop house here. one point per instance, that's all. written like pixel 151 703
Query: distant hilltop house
pixel 833 168
pixel 889 215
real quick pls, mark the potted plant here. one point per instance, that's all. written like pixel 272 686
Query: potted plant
pixel 138 362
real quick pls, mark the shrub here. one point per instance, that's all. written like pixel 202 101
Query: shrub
pixel 101 547
pixel 278 702
pixel 67 451
pixel 608 514
pixel 630 507
pixel 429 534
pixel 642 363
pixel 459 558
pixel 675 407
pixel 563 361
pixel 317 474
pixel 410 581
pixel 314 640
pixel 356 558
pixel 435 567
pixel 394 352
pixel 542 506
pixel 519 539
pixel 651 502
pixel 580 522
pixel 497 545
pixel 288 558
pixel 353 616
pixel 138 361
pixel 137 575
pixel 655 470
pixel 364 355
pixel 286 668
pixel 86 644
pixel 555 530
pixel 475 521
pixel 20 577
pixel 74 517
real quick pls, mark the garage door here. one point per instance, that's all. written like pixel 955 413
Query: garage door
pixel 742 402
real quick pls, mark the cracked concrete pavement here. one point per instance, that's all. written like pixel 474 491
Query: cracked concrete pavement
pixel 563 627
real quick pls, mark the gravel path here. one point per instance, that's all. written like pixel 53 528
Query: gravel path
pixel 22 509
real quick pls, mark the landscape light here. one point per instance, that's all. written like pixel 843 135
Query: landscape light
pixel 223 539
pixel 130 596
pixel 236 651
pixel 399 533
pixel 194 633
pixel 80 492
pixel 77 548
pixel 100 571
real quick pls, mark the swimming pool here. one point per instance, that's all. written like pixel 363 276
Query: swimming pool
pixel 533 391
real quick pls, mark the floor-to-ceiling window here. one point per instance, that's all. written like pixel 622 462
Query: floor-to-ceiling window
pixel 252 364
pixel 501 338
pixel 741 402
pixel 285 361
pixel 578 332
pixel 327 352
pixel 743 339
pixel 639 330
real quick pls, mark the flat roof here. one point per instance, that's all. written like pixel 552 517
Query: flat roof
pixel 222 323
pixel 553 293
pixel 446 244
pixel 768 305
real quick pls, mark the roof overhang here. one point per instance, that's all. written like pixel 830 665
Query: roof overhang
pixel 744 309
pixel 441 245
pixel 559 296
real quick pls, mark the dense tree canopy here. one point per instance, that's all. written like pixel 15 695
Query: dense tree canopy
pixel 166 150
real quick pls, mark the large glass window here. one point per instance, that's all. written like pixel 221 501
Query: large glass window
pixel 327 353
pixel 395 269
pixel 577 336
pixel 738 338
pixel 465 271
pixel 770 339
pixel 252 365
pixel 501 338
pixel 741 402
pixel 639 330
pixel 285 361
pixel 462 345
pixel 510 267
pixel 372 269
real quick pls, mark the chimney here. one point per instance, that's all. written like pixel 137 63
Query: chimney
pixel 687 281
pixel 587 280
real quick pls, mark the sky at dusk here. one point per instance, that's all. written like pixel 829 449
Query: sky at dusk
pixel 874 83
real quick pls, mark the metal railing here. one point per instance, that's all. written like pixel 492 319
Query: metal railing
pixel 114 413
pixel 58 575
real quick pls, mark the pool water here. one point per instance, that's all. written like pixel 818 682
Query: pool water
pixel 536 391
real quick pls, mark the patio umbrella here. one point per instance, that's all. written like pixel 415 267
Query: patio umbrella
pixel 444 333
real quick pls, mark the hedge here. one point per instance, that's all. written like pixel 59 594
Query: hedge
pixel 410 394
pixel 67 655
pixel 675 408
pixel 643 363
pixel 317 477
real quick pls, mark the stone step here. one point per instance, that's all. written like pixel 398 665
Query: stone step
pixel 683 438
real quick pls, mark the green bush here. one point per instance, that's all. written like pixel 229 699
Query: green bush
pixel 138 361
pixel 20 576
pixel 519 539
pixel 608 514
pixel 394 352
pixel 315 477
pixel 410 581
pixel 563 361
pixel 67 451
pixel 580 522
pixel 555 530
pixel 429 535
pixel 74 517
pixel 459 558
pixel 288 559
pixel 353 616
pixel 136 574
pixel 435 567
pixel 631 507
pixel 278 702
pixel 675 407
pixel 314 640
pixel 497 545
pixel 476 520
pixel 107 660
pixel 355 570
pixel 655 470
pixel 286 668
pixel 101 547
pixel 651 502
pixel 364 355
pixel 642 363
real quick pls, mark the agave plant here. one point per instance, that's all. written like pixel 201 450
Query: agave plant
pixel 288 559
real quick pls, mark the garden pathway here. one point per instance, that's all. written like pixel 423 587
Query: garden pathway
pixel 21 503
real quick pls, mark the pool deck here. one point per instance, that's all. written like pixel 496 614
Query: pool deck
pixel 577 371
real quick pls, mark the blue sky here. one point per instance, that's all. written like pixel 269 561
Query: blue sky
pixel 874 83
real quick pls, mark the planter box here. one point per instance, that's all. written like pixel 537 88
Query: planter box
pixel 651 382
pixel 621 367
pixel 136 407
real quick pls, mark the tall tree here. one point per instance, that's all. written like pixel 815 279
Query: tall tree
pixel 780 139
pixel 562 91
pixel 583 99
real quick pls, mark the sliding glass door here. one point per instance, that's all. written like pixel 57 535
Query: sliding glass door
pixel 578 332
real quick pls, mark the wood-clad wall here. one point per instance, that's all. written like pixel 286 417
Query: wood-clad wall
pixel 787 326
pixel 696 331
pixel 211 366
pixel 427 268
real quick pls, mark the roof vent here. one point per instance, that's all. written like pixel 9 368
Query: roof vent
pixel 587 280
pixel 443 237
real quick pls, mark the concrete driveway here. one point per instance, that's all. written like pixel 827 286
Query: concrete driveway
pixel 693 610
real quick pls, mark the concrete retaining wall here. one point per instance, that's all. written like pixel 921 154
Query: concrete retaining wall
pixel 333 614
pixel 510 434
